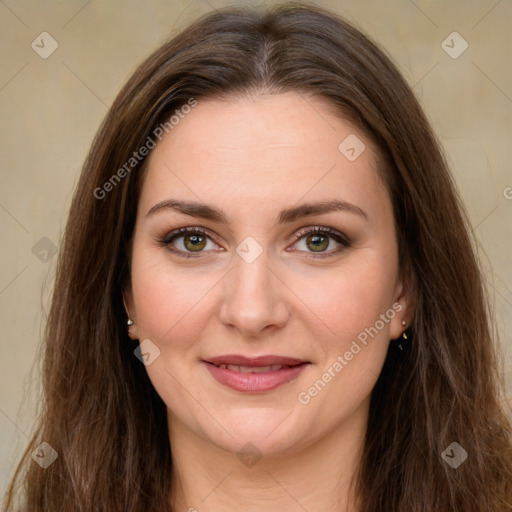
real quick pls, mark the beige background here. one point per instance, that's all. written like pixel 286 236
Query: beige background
pixel 51 108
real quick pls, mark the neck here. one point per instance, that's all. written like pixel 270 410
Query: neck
pixel 316 477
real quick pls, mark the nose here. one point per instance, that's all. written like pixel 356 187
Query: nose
pixel 254 298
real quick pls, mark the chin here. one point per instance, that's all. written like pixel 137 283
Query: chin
pixel 274 433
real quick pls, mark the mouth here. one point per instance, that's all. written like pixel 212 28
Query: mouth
pixel 253 369
pixel 254 375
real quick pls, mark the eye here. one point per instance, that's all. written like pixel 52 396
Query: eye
pixel 189 242
pixel 319 239
pixel 193 242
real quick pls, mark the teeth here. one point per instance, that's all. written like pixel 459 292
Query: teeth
pixel 263 369
pixel 252 369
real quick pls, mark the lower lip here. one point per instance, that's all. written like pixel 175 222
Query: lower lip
pixel 255 382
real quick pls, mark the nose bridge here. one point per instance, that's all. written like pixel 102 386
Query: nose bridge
pixel 252 278
pixel 253 298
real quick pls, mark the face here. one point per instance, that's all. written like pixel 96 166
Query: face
pixel 264 284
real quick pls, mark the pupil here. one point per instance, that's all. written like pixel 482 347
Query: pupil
pixel 319 242
pixel 196 241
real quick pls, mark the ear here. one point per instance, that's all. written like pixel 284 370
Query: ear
pixel 403 303
pixel 129 305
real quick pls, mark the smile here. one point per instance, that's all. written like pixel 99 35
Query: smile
pixel 252 369
pixel 256 375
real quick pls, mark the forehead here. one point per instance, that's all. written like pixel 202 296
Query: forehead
pixel 260 149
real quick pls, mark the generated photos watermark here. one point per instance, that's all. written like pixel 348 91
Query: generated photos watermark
pixel 305 397
pixel 138 156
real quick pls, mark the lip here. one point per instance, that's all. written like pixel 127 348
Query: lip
pixel 266 360
pixel 255 382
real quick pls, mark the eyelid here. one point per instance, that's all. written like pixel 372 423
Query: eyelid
pixel 325 231
pixel 175 233
pixel 339 237
pixel 169 237
pixel 334 234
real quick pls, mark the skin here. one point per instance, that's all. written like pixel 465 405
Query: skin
pixel 287 302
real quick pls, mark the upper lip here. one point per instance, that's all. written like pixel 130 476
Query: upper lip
pixel 267 360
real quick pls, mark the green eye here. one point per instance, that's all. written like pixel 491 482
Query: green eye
pixel 194 242
pixel 189 242
pixel 319 242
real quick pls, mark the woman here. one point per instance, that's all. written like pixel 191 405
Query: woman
pixel 267 296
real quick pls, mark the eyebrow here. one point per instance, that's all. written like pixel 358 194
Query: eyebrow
pixel 288 215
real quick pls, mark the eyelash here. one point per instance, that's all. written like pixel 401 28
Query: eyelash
pixel 331 233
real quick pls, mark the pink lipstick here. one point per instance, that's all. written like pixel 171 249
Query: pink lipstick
pixel 254 375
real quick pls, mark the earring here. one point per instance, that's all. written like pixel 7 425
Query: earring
pixel 129 321
pixel 403 338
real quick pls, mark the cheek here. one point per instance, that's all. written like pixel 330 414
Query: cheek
pixel 172 308
pixel 351 299
pixel 349 304
pixel 169 303
pixel 362 318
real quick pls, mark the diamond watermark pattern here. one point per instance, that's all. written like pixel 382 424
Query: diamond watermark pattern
pixel 454 45
pixel 454 455
pixel 249 250
pixel 44 45
pixel 44 455
pixel 351 147
pixel 147 352
pixel 249 455
pixel 44 250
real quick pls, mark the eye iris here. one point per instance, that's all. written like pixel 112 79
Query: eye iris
pixel 320 242
pixel 198 242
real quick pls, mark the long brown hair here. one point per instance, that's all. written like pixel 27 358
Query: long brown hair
pixel 101 413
